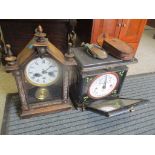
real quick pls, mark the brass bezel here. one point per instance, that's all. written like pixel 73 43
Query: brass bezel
pixel 42 85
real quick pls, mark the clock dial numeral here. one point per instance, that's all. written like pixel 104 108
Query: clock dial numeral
pixel 43 61
pixel 51 74
pixel 36 63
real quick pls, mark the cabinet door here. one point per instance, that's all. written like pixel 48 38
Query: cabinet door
pixel 105 26
pixel 131 30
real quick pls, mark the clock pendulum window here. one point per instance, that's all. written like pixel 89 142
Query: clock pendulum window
pixel 42 76
pixel 97 83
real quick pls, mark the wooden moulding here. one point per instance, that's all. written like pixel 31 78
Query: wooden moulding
pixel 45 110
pixel 44 104
pixel 21 89
pixel 11 68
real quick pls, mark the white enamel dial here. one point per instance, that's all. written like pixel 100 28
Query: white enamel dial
pixel 103 85
pixel 42 71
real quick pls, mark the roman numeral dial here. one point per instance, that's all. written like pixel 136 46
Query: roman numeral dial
pixel 42 71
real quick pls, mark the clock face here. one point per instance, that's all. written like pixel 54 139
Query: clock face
pixel 42 71
pixel 103 85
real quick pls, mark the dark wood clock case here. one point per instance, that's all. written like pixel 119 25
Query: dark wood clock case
pixel 57 98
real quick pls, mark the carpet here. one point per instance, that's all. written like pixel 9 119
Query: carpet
pixel 75 122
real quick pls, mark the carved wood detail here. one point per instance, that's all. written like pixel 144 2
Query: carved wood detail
pixel 65 84
pixel 21 89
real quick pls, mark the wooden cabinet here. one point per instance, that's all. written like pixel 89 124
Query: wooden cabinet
pixel 128 30
pixel 131 30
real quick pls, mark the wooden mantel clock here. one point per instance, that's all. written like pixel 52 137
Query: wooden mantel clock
pixel 42 75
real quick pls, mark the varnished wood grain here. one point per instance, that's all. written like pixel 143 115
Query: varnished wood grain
pixel 132 29
pixel 45 110
pixel 24 104
pixel 103 27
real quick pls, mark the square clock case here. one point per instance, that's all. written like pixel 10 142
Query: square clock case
pixel 96 84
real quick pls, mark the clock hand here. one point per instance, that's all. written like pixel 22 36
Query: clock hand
pixel 49 67
pixel 45 71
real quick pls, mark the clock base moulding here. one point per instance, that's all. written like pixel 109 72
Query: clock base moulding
pixel 45 110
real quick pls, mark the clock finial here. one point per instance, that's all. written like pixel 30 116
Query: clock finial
pixel 40 36
pixel 40 29
pixel 10 58
pixel 8 48
pixel 69 55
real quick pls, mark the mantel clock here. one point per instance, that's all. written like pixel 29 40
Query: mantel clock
pixel 97 83
pixel 42 75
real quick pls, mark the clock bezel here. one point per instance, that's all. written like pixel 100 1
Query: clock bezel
pixel 42 85
pixel 118 81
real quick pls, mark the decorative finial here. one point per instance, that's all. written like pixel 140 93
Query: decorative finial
pixel 40 36
pixel 8 48
pixel 69 55
pixel 72 38
pixel 10 58
pixel 40 29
